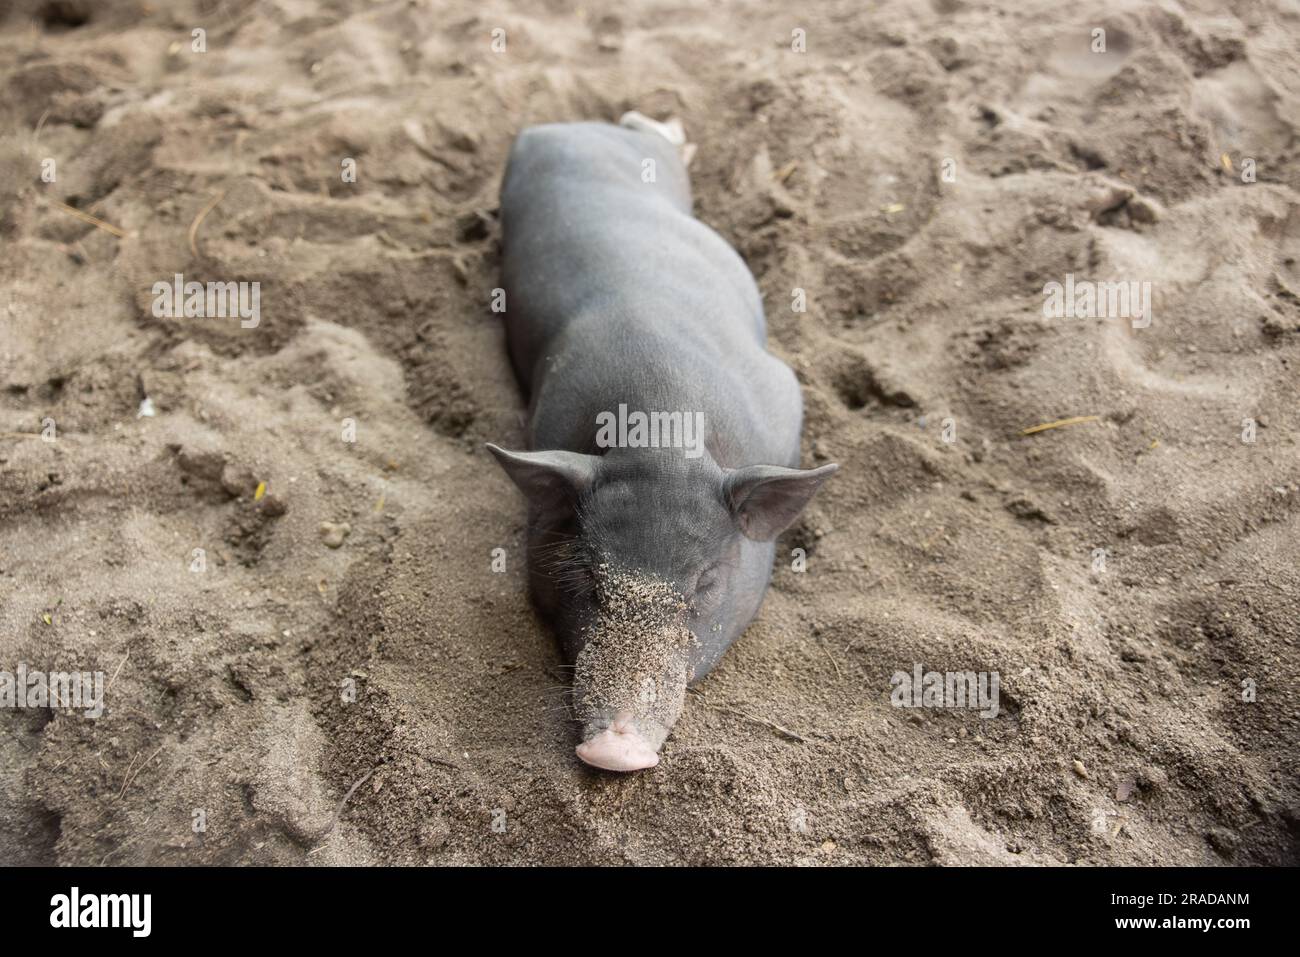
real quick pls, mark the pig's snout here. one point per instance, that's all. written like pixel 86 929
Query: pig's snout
pixel 622 743
pixel 630 676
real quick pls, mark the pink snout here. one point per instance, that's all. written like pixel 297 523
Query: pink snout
pixel 619 747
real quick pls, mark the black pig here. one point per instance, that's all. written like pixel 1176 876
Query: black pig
pixel 665 436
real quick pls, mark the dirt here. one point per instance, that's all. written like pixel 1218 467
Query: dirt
pixel 920 173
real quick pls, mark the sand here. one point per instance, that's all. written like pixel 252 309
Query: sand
pixel 390 665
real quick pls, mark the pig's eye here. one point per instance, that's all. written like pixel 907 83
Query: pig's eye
pixel 708 580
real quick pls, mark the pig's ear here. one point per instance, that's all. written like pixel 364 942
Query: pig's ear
pixel 546 476
pixel 766 499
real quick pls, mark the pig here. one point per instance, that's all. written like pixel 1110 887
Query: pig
pixel 649 549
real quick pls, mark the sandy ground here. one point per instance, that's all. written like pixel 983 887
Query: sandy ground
pixel 1123 736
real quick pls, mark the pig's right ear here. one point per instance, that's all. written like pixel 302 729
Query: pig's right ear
pixel 766 499
pixel 548 476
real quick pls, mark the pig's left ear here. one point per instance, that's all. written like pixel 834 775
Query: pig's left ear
pixel 766 499
pixel 548 477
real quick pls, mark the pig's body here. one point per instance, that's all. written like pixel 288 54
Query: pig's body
pixel 617 293
pixel 617 296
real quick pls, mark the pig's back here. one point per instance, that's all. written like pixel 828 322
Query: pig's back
pixel 615 293
pixel 582 235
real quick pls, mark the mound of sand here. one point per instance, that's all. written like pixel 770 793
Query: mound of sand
pixel 285 689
